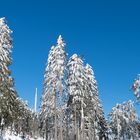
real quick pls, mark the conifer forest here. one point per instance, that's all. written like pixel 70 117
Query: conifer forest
pixel 70 105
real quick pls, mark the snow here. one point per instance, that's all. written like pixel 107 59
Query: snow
pixel 12 137
pixel 60 41
pixel 8 136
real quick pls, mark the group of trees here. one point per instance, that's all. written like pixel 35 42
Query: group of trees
pixel 70 106
pixel 123 122
pixel 14 112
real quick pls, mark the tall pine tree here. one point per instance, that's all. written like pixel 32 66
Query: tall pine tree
pixel 8 96
pixel 97 125
pixel 86 118
pixel 124 122
pixel 51 104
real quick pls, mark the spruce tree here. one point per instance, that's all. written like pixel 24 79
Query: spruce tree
pixel 74 85
pixel 8 96
pixel 94 110
pixel 87 118
pixel 124 122
pixel 51 104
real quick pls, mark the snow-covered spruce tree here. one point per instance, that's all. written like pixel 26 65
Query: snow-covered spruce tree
pixel 21 126
pixel 86 118
pixel 124 122
pixel 8 96
pixel 27 123
pixel 115 117
pixel 96 123
pixel 75 69
pixel 136 88
pixel 51 103
pixel 133 123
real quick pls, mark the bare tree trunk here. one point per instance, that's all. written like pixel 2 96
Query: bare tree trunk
pixel 82 121
pixel 78 136
pixel 46 135
pixel 94 126
pixel 61 112
pixel 75 125
pixel 89 129
pixel 67 129
pixel 55 125
pixel 118 133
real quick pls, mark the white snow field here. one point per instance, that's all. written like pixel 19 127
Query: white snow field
pixel 12 137
pixel 8 136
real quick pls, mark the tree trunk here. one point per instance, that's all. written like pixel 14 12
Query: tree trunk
pixel 75 125
pixel 118 133
pixel 89 129
pixel 82 121
pixel 94 126
pixel 46 130
pixel 78 136
pixel 55 125
pixel 61 112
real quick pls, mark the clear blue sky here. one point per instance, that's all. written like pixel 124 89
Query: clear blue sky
pixel 105 32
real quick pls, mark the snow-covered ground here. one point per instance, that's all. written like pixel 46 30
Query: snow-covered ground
pixel 8 136
pixel 12 137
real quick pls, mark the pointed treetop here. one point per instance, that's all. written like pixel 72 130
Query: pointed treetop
pixel 2 20
pixel 74 56
pixel 136 88
pixel 60 41
pixel 4 26
pixel 88 66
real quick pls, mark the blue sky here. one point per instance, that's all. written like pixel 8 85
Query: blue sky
pixel 105 32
